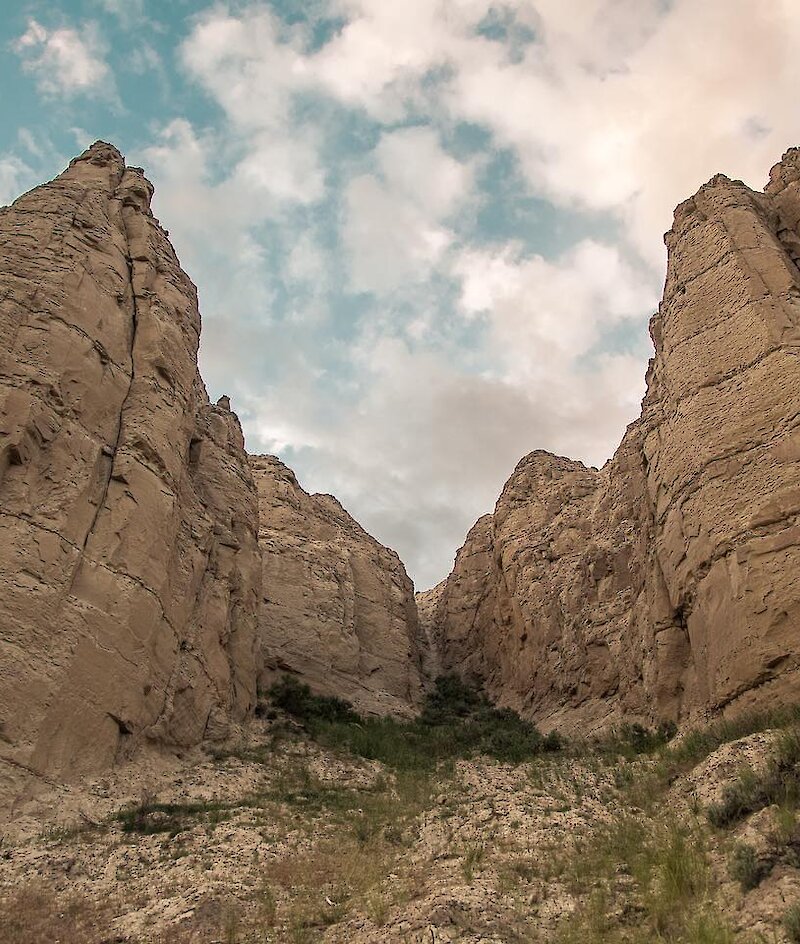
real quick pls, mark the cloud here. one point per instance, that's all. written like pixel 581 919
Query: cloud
pixel 128 12
pixel 422 443
pixel 253 72
pixel 246 65
pixel 66 61
pixel 211 219
pixel 427 445
pixel 630 107
pixel 15 176
pixel 545 314
pixel 396 352
pixel 395 228
pixel 622 106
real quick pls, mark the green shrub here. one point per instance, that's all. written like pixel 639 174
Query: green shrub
pixel 450 700
pixel 634 739
pixel 745 868
pixel 150 817
pixel 456 721
pixel 296 699
pixel 791 922
pixel 750 792
pixel 696 745
pixel 709 929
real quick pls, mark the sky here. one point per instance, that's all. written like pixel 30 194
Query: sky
pixel 427 235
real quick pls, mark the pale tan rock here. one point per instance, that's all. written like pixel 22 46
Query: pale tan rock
pixel 129 566
pixel 665 584
pixel 338 608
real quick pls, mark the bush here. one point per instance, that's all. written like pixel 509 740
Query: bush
pixel 456 721
pixel 633 739
pixel 745 868
pixel 780 783
pixel 791 923
pixel 450 700
pixel 296 699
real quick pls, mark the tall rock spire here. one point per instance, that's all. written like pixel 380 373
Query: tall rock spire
pixel 129 566
pixel 666 584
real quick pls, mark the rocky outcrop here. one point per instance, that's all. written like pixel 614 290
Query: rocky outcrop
pixel 129 567
pixel 338 608
pixel 665 584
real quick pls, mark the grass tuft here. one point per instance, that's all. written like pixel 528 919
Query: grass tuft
pixel 791 922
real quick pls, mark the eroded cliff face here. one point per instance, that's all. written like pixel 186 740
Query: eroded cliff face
pixel 129 567
pixel 151 574
pixel 338 608
pixel 668 583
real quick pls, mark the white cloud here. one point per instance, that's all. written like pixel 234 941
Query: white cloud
pixel 616 108
pixel 128 12
pixel 252 73
pixel 211 221
pixel 394 226
pixel 144 59
pixel 245 64
pixel 619 105
pixel 635 118
pixel 427 446
pixel 623 106
pixel 285 166
pixel 15 176
pixel 66 61
pixel 545 314
pixel 414 165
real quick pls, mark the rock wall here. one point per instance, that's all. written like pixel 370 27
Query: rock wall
pixel 129 566
pixel 150 573
pixel 668 583
pixel 338 608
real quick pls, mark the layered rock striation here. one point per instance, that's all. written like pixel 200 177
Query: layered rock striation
pixel 338 608
pixel 152 575
pixel 129 567
pixel 131 604
pixel 668 583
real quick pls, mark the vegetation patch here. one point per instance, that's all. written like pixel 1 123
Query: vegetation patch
pixel 745 867
pixel 752 791
pixel 791 922
pixel 150 816
pixel 696 745
pixel 456 722
pixel 641 882
pixel 632 740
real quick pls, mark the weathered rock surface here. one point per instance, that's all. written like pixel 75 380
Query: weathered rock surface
pixel 338 608
pixel 129 566
pixel 668 583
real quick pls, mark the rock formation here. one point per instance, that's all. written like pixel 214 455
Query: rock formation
pixel 129 567
pixel 668 583
pixel 151 574
pixel 338 608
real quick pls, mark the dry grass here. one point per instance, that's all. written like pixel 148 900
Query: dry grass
pixel 33 915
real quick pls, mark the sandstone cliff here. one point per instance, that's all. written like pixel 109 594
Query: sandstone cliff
pixel 129 567
pixel 668 583
pixel 338 608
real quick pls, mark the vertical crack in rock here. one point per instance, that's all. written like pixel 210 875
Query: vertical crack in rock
pixel 111 573
pixel 112 454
